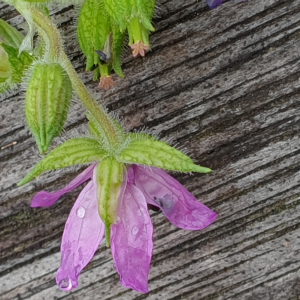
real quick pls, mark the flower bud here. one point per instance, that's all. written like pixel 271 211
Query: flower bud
pixel 47 104
pixel 135 16
pixel 101 41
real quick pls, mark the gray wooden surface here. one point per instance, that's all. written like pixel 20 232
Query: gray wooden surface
pixel 224 84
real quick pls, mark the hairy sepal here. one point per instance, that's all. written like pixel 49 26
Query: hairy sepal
pixel 159 154
pixel 93 30
pixel 118 11
pixel 145 11
pixel 110 176
pixel 73 152
pixel 117 49
pixel 9 35
pixel 47 103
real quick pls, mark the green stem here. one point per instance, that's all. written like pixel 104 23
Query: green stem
pixel 51 35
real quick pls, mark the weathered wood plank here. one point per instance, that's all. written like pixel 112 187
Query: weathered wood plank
pixel 224 84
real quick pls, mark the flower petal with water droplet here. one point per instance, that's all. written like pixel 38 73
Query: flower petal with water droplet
pixel 131 240
pixel 178 204
pixel 78 247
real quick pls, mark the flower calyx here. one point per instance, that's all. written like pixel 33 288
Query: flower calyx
pixel 48 98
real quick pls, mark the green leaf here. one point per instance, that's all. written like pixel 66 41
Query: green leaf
pixel 159 154
pixel 18 63
pixel 73 152
pixel 110 178
pixel 5 69
pixel 9 35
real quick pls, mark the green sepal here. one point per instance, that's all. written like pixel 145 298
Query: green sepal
pixel 73 152
pixel 93 30
pixel 110 176
pixel 5 69
pixel 118 11
pixel 48 98
pixel 10 35
pixel 145 12
pixel 159 154
pixel 117 49
pixel 96 74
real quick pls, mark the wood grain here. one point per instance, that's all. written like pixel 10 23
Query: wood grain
pixel 222 84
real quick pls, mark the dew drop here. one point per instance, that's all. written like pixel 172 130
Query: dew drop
pixel 118 220
pixel 134 230
pixel 143 214
pixel 80 212
pixel 65 284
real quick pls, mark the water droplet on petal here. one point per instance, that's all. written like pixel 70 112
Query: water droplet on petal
pixel 65 284
pixel 117 220
pixel 134 230
pixel 80 212
pixel 143 214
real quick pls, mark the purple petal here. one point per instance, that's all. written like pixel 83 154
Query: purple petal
pixel 214 3
pixel 83 233
pixel 131 240
pixel 46 199
pixel 178 204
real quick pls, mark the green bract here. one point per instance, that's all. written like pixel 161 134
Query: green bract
pixel 47 104
pixel 110 177
pixel 158 154
pixel 73 152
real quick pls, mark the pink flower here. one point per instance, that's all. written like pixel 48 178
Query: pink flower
pixel 131 234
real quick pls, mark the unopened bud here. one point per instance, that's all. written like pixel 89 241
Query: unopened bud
pixel 47 102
